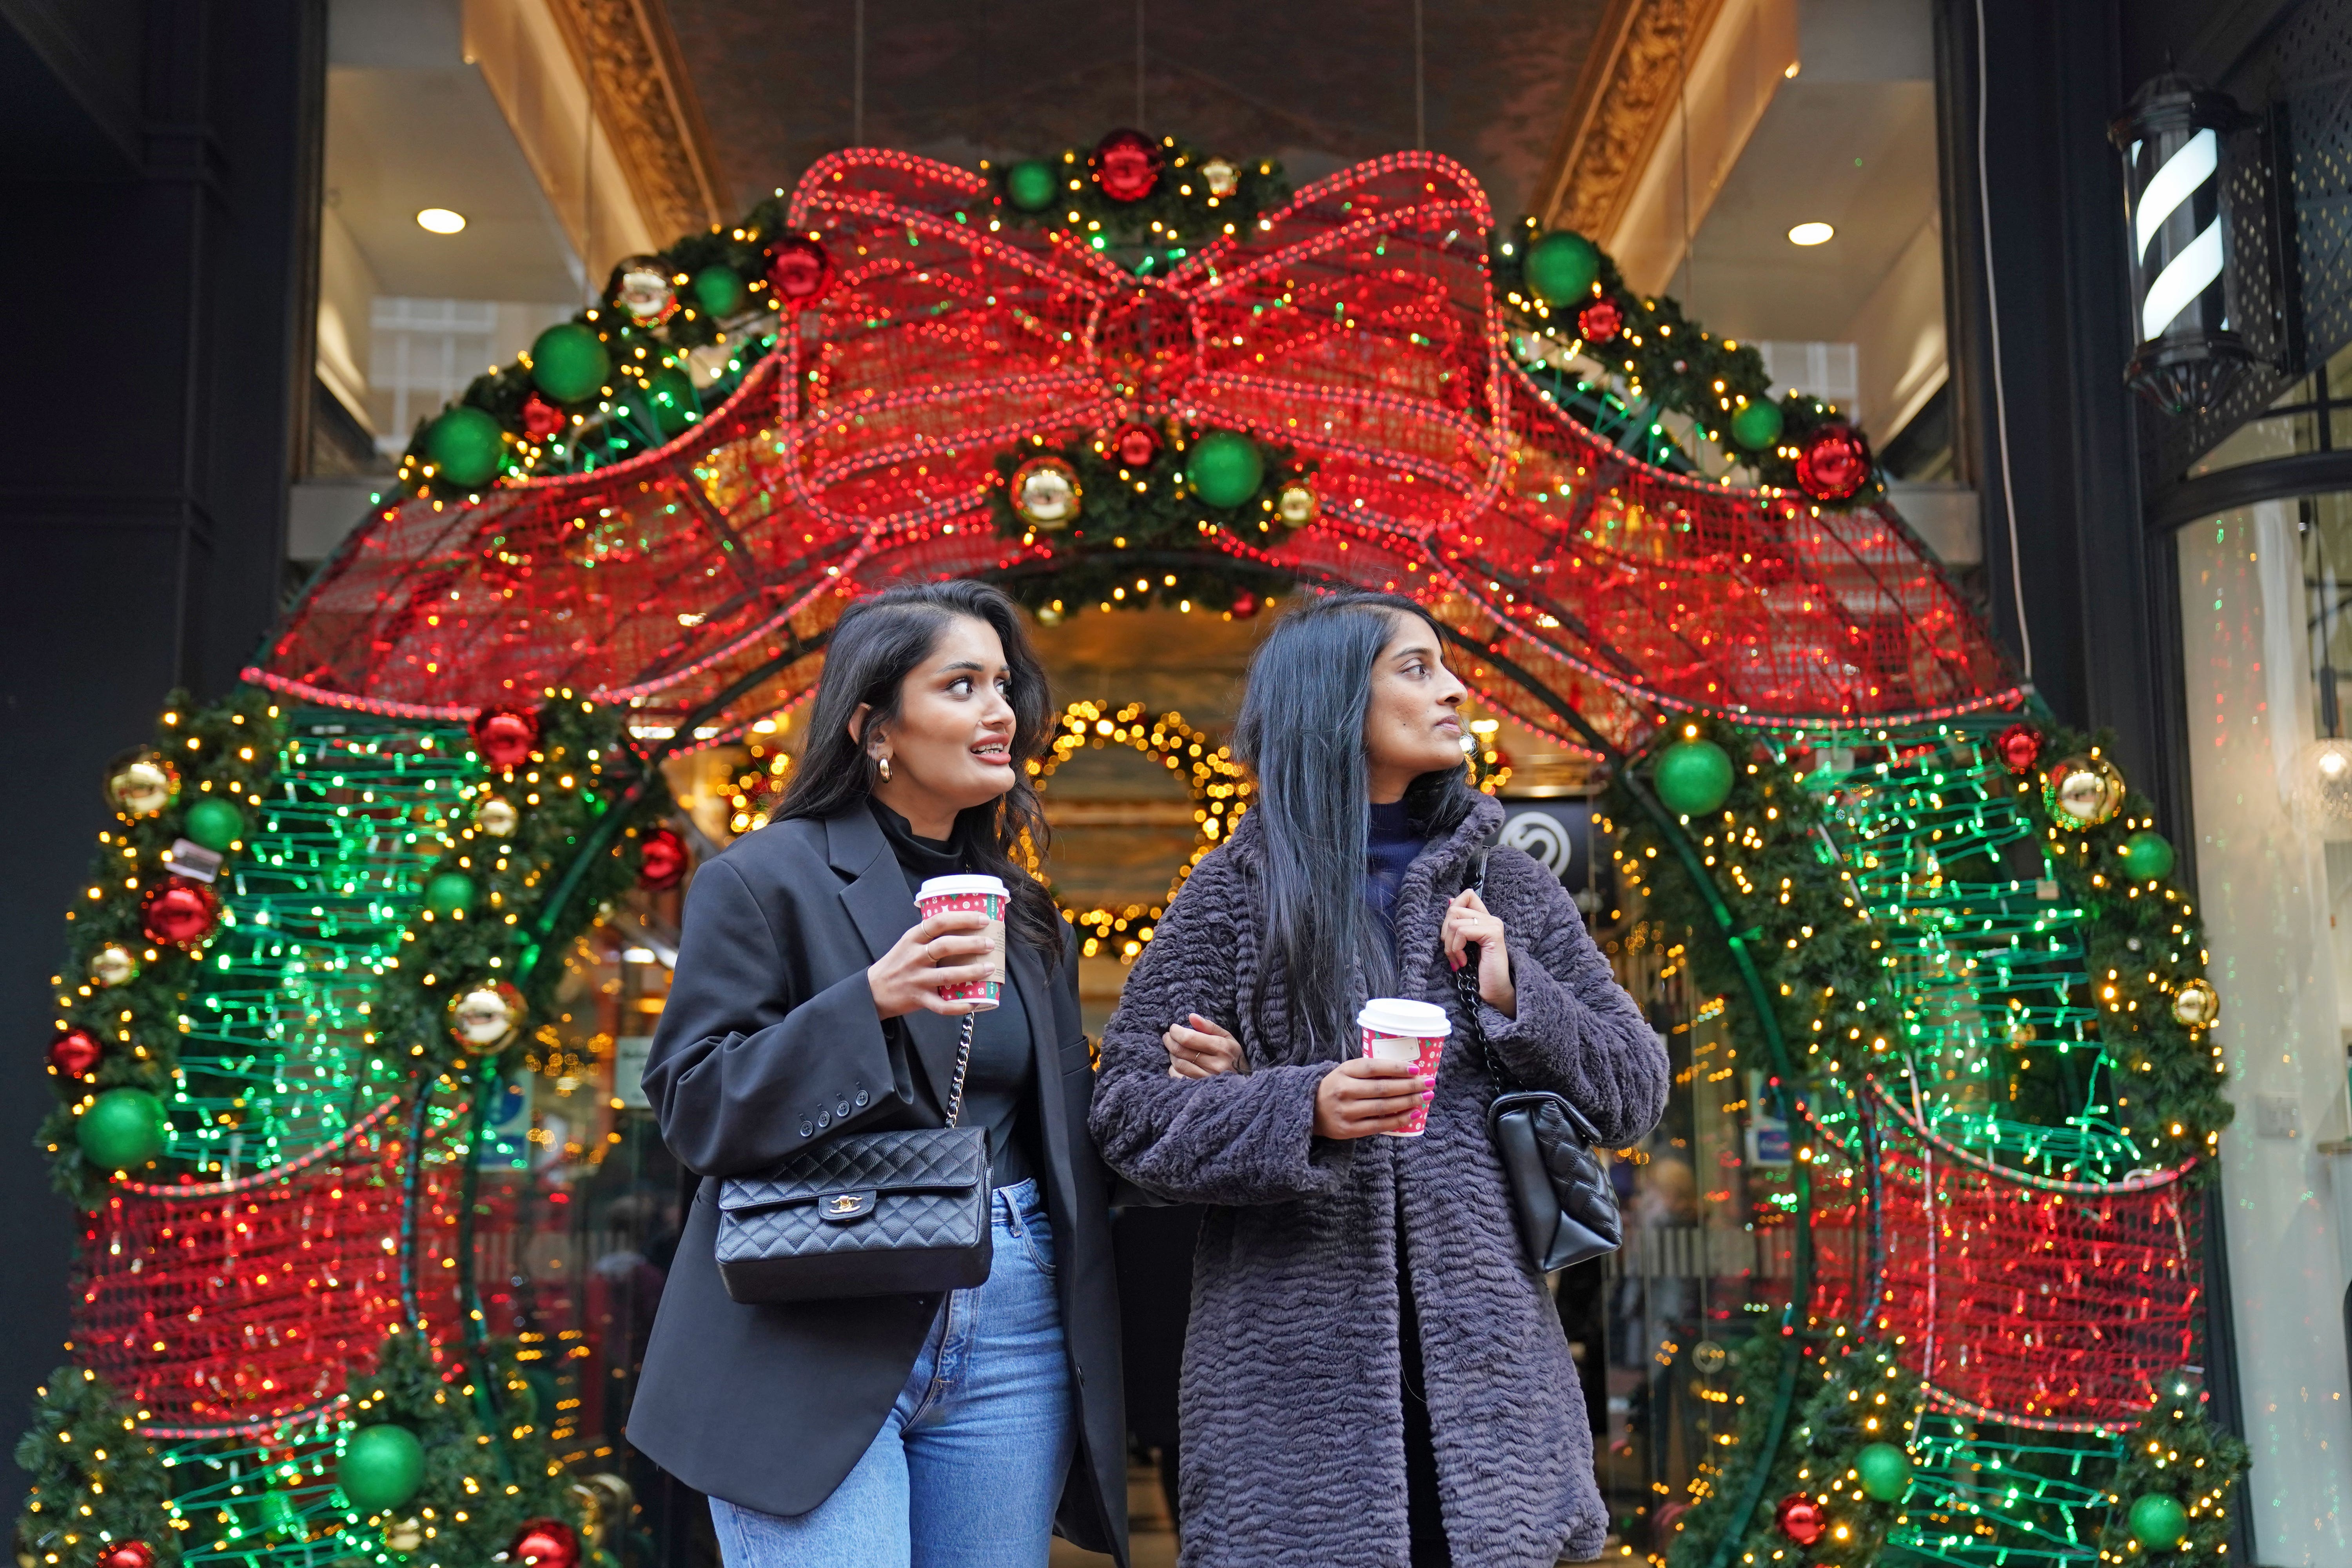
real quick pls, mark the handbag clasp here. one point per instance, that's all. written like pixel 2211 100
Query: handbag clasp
pixel 839 1209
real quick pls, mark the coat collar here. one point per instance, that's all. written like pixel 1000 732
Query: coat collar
pixel 878 905
pixel 1440 858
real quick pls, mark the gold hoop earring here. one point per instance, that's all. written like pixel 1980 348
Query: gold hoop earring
pixel 882 766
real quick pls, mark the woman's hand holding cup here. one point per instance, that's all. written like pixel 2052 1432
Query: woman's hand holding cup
pixel 1367 1095
pixel 946 950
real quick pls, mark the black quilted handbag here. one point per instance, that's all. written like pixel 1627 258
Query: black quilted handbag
pixel 875 1213
pixel 1560 1195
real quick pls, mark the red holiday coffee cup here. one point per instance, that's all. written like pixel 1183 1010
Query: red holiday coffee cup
pixel 1397 1030
pixel 981 895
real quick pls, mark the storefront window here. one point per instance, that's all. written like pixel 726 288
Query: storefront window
pixel 2264 593
pixel 2315 415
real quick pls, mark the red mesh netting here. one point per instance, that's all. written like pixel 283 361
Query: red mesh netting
pixel 2043 1306
pixel 249 1302
pixel 1358 324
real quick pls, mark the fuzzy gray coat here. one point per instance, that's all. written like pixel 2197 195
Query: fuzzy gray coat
pixel 1292 1401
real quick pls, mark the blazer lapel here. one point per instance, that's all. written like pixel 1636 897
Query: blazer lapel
pixel 879 907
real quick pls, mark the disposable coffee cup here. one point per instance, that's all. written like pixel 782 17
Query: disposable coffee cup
pixel 980 895
pixel 1397 1030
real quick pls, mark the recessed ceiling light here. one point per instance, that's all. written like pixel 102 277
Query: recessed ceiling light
pixel 1803 234
pixel 441 220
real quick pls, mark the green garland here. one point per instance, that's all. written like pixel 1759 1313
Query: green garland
pixel 95 1483
pixel 1139 528
pixel 1825 958
pixel 227 752
pixel 1179 214
pixel 488 1464
pixel 581 769
pixel 2177 1453
pixel 1672 365
pixel 1848 1396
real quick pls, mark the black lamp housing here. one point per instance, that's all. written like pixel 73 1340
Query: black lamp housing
pixel 2177 232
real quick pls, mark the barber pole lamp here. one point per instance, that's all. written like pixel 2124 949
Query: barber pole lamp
pixel 2179 239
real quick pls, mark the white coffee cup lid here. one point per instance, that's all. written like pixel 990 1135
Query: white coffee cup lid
pixel 961 883
pixel 1397 1016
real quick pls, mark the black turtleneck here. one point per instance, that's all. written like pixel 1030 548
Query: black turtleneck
pixel 998 1086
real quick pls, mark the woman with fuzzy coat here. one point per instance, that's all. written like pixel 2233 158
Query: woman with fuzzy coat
pixel 1373 1372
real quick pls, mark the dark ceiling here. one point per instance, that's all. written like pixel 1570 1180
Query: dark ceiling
pixel 1314 83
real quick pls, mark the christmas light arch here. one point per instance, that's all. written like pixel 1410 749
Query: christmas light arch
pixel 668 580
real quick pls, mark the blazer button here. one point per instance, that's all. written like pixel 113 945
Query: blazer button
pixel 861 1100
pixel 807 1131
pixel 823 1121
pixel 842 1110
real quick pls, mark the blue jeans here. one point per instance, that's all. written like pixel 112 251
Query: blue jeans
pixel 968 1467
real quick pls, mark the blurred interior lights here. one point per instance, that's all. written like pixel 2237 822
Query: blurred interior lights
pixel 1811 233
pixel 440 220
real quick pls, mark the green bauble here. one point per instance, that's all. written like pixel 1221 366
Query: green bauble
pixel 122 1130
pixel 1226 469
pixel 1029 186
pixel 569 363
pixel 465 445
pixel 382 1467
pixel 449 892
pixel 1756 426
pixel 1694 777
pixel 672 397
pixel 2147 856
pixel 1562 266
pixel 719 290
pixel 2157 1521
pixel 1886 1471
pixel 214 824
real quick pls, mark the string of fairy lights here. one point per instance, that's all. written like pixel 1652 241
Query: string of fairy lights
pixel 272 1062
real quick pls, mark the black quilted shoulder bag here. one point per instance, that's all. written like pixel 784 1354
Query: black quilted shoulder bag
pixel 1560 1195
pixel 874 1213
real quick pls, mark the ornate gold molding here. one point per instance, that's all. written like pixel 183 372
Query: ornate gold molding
pixel 628 56
pixel 1625 94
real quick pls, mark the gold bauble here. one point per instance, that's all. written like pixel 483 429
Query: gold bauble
pixel 141 784
pixel 1048 615
pixel 2083 791
pixel 113 966
pixel 1222 178
pixel 404 1535
pixel 1707 1357
pixel 2020 1035
pixel 484 1018
pixel 2196 1005
pixel 1045 493
pixel 1297 504
pixel 496 817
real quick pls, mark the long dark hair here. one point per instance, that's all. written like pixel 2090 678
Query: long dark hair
pixel 1301 732
pixel 877 643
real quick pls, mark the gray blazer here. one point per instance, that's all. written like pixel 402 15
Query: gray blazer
pixel 770 1043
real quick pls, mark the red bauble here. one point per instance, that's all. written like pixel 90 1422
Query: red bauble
pixel 1245 603
pixel 1834 464
pixel 2019 747
pixel 547 1543
pixel 177 912
pixel 504 736
pixel 1600 322
pixel 1135 444
pixel 802 271
pixel 541 419
pixel 129 1554
pixel 75 1052
pixel 1127 166
pixel 1800 1519
pixel 664 865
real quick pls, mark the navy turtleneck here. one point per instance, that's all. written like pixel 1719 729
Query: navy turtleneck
pixel 1391 842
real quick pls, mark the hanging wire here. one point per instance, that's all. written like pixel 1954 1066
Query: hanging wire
pixel 2000 397
pixel 1138 64
pixel 858 78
